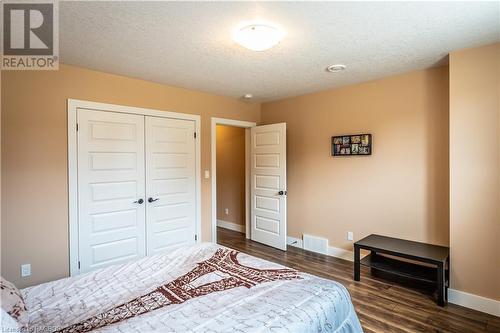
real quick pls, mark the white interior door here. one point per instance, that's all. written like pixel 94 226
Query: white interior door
pixel 268 185
pixel 110 186
pixel 170 183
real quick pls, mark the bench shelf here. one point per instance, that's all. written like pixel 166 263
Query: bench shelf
pixel 433 271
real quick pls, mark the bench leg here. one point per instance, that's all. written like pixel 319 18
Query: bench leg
pixel 441 285
pixel 357 265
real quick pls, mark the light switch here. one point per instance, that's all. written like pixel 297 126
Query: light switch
pixel 207 174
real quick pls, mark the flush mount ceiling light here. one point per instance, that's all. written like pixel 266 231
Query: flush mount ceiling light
pixel 247 96
pixel 258 36
pixel 335 68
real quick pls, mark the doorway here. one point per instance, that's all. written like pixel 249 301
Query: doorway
pixel 231 209
pixel 230 158
pixel 265 182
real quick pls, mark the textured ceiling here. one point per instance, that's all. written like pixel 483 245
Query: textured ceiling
pixel 189 44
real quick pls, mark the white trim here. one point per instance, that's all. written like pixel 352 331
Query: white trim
pixel 131 109
pixel 72 188
pixel 475 302
pixel 295 242
pixel 332 251
pixel 247 183
pixel 231 226
pixel 213 156
pixel 340 253
pixel 198 177
pixel 73 105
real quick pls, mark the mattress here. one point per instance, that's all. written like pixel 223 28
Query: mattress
pixel 288 301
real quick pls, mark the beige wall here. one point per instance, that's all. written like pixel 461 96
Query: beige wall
pixel 475 170
pixel 231 173
pixel 401 190
pixel 34 167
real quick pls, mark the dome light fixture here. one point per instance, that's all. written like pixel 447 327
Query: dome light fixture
pixel 247 96
pixel 336 68
pixel 258 36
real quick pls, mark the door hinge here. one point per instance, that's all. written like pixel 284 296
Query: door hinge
pixel 195 135
pixel 77 127
pixel 78 265
pixel 195 237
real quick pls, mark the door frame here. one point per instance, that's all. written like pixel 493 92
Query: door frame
pixel 72 106
pixel 213 136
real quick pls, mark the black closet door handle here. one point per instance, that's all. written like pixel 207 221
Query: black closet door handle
pixel 153 200
pixel 140 201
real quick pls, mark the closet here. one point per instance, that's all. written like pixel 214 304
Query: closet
pixel 136 186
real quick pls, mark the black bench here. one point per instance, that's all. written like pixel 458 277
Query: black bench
pixel 437 256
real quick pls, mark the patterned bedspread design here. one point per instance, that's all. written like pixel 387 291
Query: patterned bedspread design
pixel 308 304
pixel 181 289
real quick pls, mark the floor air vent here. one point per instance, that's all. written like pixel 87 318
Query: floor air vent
pixel 315 244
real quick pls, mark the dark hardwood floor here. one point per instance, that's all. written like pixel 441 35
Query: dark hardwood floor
pixel 382 306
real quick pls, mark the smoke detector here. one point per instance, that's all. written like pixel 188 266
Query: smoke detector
pixel 335 68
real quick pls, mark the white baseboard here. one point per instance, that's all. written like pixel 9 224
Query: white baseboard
pixel 332 251
pixel 292 241
pixel 340 253
pixel 231 226
pixel 475 302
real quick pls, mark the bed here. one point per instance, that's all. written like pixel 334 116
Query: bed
pixel 201 288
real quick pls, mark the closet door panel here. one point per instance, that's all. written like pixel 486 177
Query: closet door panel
pixel 111 179
pixel 170 183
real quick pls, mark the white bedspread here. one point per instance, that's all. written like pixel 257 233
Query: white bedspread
pixel 310 304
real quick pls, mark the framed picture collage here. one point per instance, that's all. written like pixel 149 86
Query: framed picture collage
pixel 352 145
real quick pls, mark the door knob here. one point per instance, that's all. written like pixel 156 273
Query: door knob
pixel 153 200
pixel 140 201
pixel 282 192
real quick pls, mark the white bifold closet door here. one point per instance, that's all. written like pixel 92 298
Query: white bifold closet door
pixel 136 186
pixel 110 182
pixel 170 183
